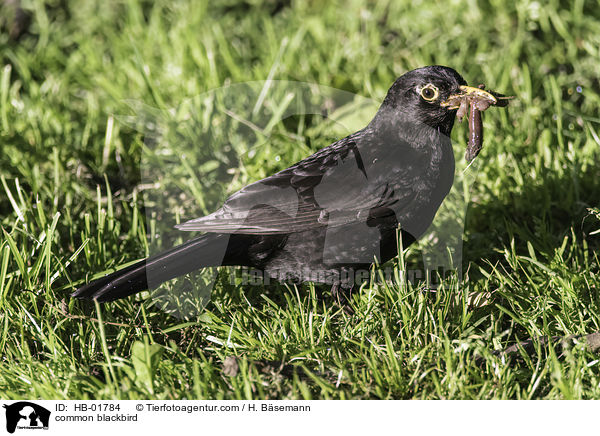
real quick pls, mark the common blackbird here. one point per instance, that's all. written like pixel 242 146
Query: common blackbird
pixel 333 213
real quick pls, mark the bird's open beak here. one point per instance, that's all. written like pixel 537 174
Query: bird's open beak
pixel 454 101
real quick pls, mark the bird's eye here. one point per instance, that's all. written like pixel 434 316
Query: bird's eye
pixel 429 92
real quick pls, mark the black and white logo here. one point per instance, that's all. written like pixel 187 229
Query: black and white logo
pixel 26 415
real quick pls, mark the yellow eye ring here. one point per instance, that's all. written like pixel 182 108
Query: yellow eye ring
pixel 429 92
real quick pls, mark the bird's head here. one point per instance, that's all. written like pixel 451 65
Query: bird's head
pixel 426 96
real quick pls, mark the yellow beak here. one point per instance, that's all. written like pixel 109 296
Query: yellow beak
pixel 454 101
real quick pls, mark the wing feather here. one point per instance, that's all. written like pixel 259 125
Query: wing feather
pixel 330 188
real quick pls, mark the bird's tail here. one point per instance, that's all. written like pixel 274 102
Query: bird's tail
pixel 198 253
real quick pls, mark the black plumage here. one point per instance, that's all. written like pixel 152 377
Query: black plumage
pixel 332 213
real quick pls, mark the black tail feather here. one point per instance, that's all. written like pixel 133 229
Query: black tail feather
pixel 198 253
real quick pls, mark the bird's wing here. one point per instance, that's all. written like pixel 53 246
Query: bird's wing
pixel 333 187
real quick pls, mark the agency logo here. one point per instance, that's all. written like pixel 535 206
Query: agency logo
pixel 26 415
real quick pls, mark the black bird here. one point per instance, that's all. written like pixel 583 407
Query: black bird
pixel 333 213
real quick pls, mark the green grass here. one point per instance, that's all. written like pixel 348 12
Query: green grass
pixel 72 201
